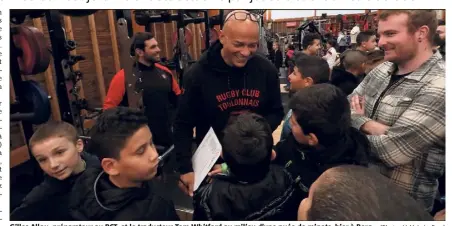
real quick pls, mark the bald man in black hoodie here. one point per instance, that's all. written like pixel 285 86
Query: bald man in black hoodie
pixel 230 78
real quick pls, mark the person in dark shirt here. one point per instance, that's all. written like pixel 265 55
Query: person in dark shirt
pixel 121 189
pixel 308 70
pixel 59 152
pixel 253 189
pixel 440 38
pixel 277 57
pixel 160 88
pixel 230 78
pixel 352 73
pixel 322 136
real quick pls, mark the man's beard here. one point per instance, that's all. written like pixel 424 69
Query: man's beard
pixel 151 59
pixel 438 40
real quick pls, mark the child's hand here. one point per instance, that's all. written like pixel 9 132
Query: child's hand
pixel 357 105
pixel 216 169
pixel 440 216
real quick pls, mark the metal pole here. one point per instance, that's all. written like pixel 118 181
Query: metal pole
pixel 60 54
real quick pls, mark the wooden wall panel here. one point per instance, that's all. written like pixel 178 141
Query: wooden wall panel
pixel 80 26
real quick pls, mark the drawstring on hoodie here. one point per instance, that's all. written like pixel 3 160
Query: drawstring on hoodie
pixel 95 194
pixel 229 81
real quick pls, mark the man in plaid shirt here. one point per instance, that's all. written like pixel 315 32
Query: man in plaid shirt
pixel 400 104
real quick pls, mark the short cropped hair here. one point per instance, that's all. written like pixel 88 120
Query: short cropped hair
pixel 313 66
pixel 247 146
pixel 375 56
pixel 354 59
pixel 309 38
pixel 364 36
pixel 54 129
pixel 112 130
pixel 322 109
pixel 138 41
pixel 356 193
pixel 416 19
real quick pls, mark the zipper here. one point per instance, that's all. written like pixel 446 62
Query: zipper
pixel 382 95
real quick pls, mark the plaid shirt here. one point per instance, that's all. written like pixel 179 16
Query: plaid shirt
pixel 412 152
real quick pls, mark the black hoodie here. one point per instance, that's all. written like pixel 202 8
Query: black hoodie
pixel 95 198
pixel 306 164
pixel 345 80
pixel 272 198
pixel 49 201
pixel 214 91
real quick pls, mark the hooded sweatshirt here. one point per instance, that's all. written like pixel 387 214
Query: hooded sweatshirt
pixel 345 80
pixel 215 91
pixel 49 201
pixel 271 198
pixel 305 163
pixel 94 197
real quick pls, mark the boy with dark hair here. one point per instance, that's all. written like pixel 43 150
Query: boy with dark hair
pixel 311 44
pixel 308 70
pixel 321 137
pixel 352 73
pixel 253 189
pixel 59 152
pixel 121 189
pixel 366 41
pixel 355 193
pixel 374 58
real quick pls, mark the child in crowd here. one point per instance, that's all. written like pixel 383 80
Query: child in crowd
pixel 374 58
pixel 321 135
pixel 308 70
pixel 253 189
pixel 355 193
pixel 121 189
pixel 348 77
pixel 59 152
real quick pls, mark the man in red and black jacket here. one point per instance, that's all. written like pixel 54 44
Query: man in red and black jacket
pixel 160 88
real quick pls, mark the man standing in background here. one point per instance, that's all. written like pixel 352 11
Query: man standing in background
pixel 276 56
pixel 354 34
pixel 160 88
pixel 440 38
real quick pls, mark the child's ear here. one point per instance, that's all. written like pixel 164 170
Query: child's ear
pixel 309 81
pixel 110 167
pixel 312 139
pixel 273 155
pixel 79 145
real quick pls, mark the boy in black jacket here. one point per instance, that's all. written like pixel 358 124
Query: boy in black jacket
pixel 321 135
pixel 122 188
pixel 352 73
pixel 253 189
pixel 59 152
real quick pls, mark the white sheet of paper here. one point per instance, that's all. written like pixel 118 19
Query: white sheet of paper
pixel 205 157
